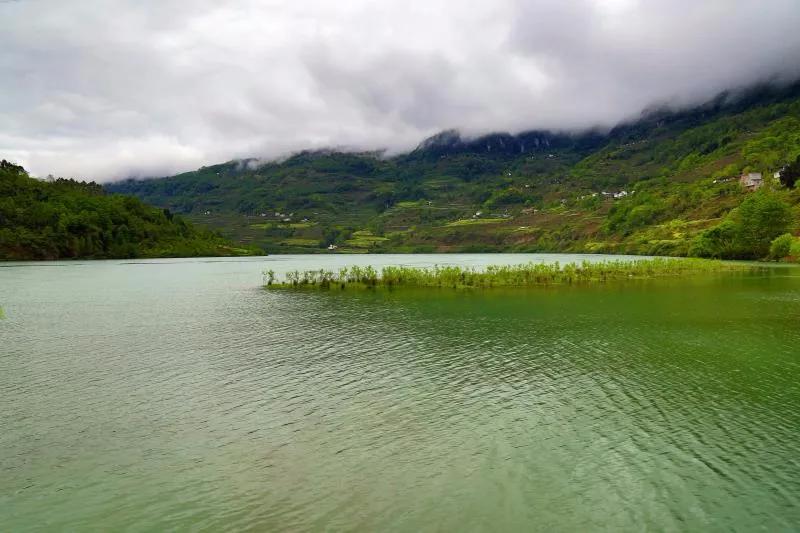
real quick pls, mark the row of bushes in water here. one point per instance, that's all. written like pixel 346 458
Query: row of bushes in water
pixel 523 275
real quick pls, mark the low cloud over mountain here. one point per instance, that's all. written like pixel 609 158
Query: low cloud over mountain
pixel 150 87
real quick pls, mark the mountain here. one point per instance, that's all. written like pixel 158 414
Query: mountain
pixel 662 184
pixel 61 219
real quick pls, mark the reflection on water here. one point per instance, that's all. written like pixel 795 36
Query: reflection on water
pixel 163 396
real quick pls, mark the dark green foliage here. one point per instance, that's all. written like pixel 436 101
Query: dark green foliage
pixel 69 219
pixel 721 242
pixel 790 174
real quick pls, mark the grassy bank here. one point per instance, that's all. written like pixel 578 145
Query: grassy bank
pixel 524 275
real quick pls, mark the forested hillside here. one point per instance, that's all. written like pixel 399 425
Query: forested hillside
pixel 68 219
pixel 665 184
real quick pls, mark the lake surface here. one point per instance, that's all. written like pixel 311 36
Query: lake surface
pixel 179 394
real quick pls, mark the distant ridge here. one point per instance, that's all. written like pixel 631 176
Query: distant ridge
pixel 654 185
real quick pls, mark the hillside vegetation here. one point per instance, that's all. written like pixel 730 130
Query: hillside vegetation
pixel 68 219
pixel 666 184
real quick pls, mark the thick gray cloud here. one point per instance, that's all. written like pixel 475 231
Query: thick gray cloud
pixel 106 89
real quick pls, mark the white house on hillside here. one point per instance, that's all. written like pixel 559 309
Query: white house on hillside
pixel 751 181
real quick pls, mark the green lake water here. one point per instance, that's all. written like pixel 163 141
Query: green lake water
pixel 180 395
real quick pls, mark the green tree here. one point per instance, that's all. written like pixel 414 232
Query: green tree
pixel 760 218
pixel 719 242
pixel 781 246
pixel 790 174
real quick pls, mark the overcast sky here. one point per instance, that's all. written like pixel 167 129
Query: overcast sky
pixel 106 89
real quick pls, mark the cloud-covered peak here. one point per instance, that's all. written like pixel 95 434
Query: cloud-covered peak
pixel 106 90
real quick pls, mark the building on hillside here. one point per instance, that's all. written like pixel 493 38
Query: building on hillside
pixel 751 181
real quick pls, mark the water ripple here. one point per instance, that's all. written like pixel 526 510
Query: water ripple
pixel 148 398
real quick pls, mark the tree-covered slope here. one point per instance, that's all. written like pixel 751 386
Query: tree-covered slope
pixel 69 219
pixel 664 184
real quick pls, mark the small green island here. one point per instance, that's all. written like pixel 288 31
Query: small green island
pixel 520 275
